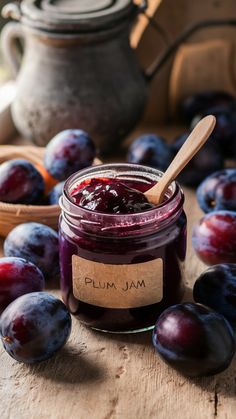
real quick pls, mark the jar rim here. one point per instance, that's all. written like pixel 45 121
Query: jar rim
pixel 110 167
pixel 160 215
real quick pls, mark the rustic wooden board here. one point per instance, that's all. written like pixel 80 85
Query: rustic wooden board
pixel 99 376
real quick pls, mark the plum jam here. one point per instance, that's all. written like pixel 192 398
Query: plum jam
pixel 111 196
pixel 121 257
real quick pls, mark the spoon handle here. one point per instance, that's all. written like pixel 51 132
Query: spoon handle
pixel 191 146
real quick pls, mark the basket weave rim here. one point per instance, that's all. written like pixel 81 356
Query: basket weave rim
pixel 35 155
pixel 5 206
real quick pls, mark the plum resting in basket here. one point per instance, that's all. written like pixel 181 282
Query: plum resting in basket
pixel 68 152
pixel 20 182
pixel 55 193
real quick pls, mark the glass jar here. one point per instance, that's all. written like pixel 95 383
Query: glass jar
pixel 120 271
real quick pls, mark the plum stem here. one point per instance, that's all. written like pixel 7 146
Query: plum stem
pixel 7 339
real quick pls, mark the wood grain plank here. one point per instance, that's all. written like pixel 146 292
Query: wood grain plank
pixel 102 376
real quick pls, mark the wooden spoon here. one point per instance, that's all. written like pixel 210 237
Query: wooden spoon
pixel 191 146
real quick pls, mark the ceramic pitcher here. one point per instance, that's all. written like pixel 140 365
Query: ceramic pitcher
pixel 76 70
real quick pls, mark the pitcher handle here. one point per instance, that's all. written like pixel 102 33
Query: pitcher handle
pixel 12 54
pixel 184 36
pixel 142 9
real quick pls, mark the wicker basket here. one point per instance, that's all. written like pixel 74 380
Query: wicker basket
pixel 13 214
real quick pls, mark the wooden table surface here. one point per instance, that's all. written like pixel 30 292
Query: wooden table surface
pixel 102 376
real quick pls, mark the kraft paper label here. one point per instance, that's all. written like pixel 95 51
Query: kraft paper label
pixel 117 286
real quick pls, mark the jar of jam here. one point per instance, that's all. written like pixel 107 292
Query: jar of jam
pixel 120 271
